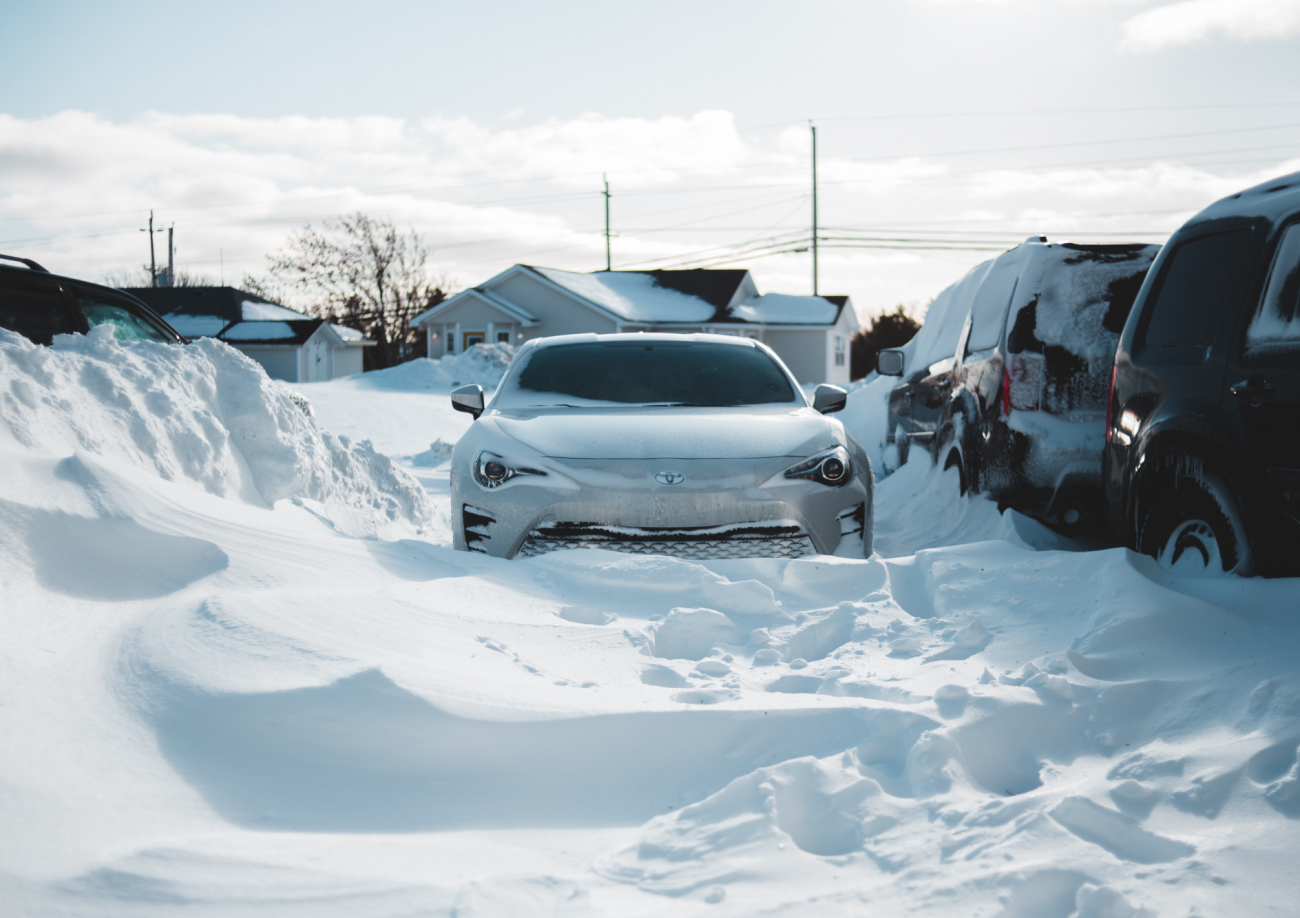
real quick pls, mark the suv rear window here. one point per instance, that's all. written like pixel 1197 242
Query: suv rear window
pixel 34 308
pixel 1195 286
pixel 1277 324
pixel 657 372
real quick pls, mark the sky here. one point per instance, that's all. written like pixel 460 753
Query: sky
pixel 948 130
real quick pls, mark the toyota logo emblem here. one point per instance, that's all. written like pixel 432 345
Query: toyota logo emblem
pixel 670 478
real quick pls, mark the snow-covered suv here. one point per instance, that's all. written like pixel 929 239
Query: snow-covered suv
pixel 1202 461
pixel 40 305
pixel 1007 378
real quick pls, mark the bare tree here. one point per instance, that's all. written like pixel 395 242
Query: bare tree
pixel 364 273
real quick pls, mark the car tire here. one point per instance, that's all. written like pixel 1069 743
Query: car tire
pixel 954 461
pixel 1187 513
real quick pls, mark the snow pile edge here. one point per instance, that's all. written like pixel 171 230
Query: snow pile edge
pixel 203 414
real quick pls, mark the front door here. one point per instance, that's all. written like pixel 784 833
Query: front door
pixel 471 339
pixel 1263 382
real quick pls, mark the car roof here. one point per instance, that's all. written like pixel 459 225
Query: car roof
pixel 642 337
pixel 1274 200
pixel 14 270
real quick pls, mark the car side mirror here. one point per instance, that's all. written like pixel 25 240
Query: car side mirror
pixel 889 363
pixel 829 399
pixel 469 399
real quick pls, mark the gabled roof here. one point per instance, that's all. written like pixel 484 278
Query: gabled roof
pixel 479 293
pixel 220 312
pixel 784 309
pixel 716 286
pixel 704 296
pixel 632 296
pixel 273 332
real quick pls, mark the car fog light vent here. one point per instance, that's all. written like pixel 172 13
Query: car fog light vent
pixel 477 525
pixel 852 520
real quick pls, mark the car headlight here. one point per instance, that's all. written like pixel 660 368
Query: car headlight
pixel 832 467
pixel 491 471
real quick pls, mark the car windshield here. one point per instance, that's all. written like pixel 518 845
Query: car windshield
pixel 689 373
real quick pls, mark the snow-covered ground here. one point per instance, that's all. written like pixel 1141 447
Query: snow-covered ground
pixel 243 673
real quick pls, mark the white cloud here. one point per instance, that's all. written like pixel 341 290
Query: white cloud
pixel 1191 21
pixel 78 187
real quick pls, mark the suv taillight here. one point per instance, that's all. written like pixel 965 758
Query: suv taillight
pixel 1110 407
pixel 1006 393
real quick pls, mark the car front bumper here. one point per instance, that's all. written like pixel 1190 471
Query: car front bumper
pixel 722 508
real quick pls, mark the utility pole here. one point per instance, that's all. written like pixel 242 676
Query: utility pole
pixel 153 263
pixel 608 263
pixel 171 257
pixel 814 204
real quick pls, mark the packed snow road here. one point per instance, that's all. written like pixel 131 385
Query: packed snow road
pixel 244 674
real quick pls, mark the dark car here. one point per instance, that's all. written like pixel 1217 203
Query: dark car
pixel 1010 376
pixel 40 305
pixel 1202 462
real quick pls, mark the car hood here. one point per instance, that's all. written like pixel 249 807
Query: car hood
pixel 672 433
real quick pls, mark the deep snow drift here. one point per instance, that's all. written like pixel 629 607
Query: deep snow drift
pixel 213 706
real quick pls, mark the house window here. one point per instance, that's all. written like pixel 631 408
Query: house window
pixel 839 350
pixel 471 339
pixel 503 337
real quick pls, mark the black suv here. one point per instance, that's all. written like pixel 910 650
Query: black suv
pixel 1202 460
pixel 40 305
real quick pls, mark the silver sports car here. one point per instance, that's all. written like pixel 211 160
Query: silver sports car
pixel 699 446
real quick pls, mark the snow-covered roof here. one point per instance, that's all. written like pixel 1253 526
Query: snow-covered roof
pixel 689 297
pixel 260 331
pixel 785 309
pixel 632 296
pixel 348 334
pixel 289 333
pixel 197 326
pixel 260 311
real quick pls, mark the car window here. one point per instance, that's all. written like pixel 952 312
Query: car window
pixel 1277 322
pixel 34 307
pixel 989 312
pixel 127 325
pixel 657 372
pixel 1195 286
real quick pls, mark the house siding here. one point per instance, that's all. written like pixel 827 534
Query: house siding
pixel 557 313
pixel 473 315
pixel 348 361
pixel 804 352
pixel 279 361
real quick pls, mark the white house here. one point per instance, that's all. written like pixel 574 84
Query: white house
pixel 810 333
pixel 288 344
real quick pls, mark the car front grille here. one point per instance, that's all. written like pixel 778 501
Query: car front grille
pixel 779 539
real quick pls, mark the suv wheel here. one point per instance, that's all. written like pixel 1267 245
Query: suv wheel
pixel 1188 520
pixel 954 461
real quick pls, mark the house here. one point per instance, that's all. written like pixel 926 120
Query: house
pixel 289 345
pixel 810 333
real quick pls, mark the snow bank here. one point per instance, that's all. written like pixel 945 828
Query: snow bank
pixel 484 364
pixel 202 414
